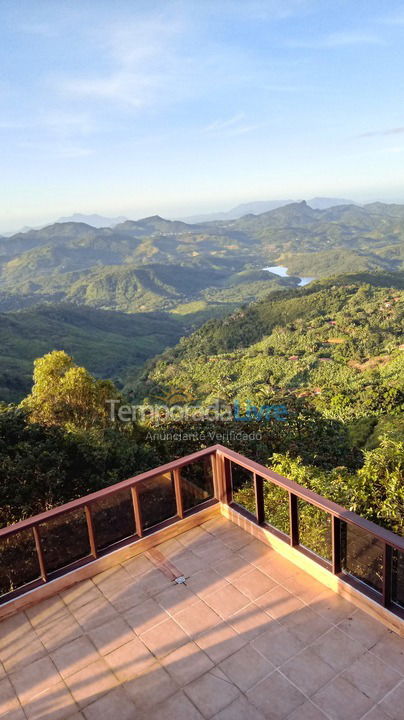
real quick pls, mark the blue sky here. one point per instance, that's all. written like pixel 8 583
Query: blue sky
pixel 134 108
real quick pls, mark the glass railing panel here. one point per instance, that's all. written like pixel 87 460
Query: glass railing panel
pixel 315 532
pixel 157 500
pixel 196 483
pixel 64 539
pixel 362 555
pixel 276 507
pixel 113 519
pixel 19 563
pixel 243 487
pixel 397 594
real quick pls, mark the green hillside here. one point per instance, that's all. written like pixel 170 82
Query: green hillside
pixel 110 344
pixel 155 263
pixel 337 343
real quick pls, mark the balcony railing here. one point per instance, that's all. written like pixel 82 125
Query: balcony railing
pixel 41 548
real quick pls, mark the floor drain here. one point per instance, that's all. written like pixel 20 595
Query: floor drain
pixel 181 580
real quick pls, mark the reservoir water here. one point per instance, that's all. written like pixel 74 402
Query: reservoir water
pixel 282 271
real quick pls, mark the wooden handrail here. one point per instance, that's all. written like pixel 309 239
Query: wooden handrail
pixel 220 463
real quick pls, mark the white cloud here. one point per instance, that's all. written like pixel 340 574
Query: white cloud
pixel 233 126
pixel 349 38
pixel 378 133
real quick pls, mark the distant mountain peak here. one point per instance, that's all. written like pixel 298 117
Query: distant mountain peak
pixel 94 220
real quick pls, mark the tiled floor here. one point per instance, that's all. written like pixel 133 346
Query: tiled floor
pixel 249 636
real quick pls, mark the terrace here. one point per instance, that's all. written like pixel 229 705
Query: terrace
pixel 291 606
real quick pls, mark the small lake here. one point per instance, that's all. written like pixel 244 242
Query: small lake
pixel 282 271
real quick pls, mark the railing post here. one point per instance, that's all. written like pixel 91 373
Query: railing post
pixel 336 544
pixel 178 493
pixel 227 484
pixel 387 570
pixel 216 475
pixel 259 498
pixel 39 552
pixel 137 511
pixel 91 532
pixel 293 520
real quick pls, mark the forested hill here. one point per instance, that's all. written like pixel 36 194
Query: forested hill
pixel 339 343
pixel 110 344
pixel 76 262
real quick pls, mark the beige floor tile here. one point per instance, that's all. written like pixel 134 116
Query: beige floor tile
pixel 373 677
pixel 177 707
pixel 308 671
pixel 56 703
pixel 46 611
pixel 332 607
pixel 187 563
pixel 226 601
pixel 129 660
pixel 16 714
pixel 34 679
pixel 211 693
pixel 152 582
pixel 363 628
pixel 137 565
pixel 145 616
pixel 220 641
pixel 276 697
pixel 94 613
pixel 116 705
pixel 307 711
pixel 250 622
pixel 337 649
pixel 197 618
pixel 23 652
pixel 212 550
pixel 112 579
pixel 91 682
pixel 205 582
pixel 254 583
pixel 246 667
pixel 277 644
pixel 376 714
pixel 187 663
pixel 176 598
pixel 125 598
pixel 196 538
pixel 110 636
pixel 235 538
pixel 392 705
pixel 232 567
pixel 151 687
pixel 74 656
pixel 390 649
pixel 19 644
pixel 341 700
pixel 255 551
pixel 164 638
pixel 80 594
pixel 9 703
pixel 306 624
pixel 59 631
pixel 277 568
pixel 279 603
pixel 240 709
pixel 170 548
pixel 217 525
pixel 304 587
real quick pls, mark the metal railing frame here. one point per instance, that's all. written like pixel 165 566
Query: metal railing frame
pixel 221 459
